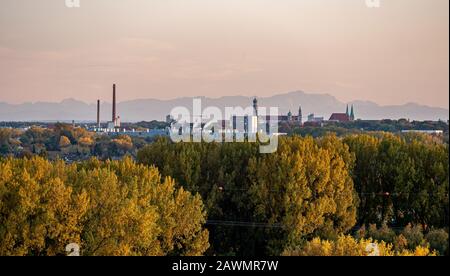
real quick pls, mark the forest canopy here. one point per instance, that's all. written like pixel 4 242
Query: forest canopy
pixel 314 196
pixel 108 208
pixel 321 187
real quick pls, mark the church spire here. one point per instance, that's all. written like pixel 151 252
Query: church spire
pixel 255 107
pixel 352 114
pixel 300 115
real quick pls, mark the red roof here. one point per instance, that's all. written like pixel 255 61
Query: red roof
pixel 340 117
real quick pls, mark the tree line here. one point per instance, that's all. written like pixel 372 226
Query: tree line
pixel 313 196
pixel 67 142
pixel 309 188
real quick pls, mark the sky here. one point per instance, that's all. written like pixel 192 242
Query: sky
pixel 164 49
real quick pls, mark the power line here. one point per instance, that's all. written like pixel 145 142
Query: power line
pixel 252 224
pixel 387 194
pixel 244 224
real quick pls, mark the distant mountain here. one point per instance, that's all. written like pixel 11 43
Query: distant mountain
pixel 153 109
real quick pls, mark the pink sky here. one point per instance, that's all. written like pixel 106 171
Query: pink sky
pixel 165 49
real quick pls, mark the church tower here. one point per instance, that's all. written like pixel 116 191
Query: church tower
pixel 255 107
pixel 352 115
pixel 300 115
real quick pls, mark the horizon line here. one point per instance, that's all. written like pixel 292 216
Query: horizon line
pixel 222 97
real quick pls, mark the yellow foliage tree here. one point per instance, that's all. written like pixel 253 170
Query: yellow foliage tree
pixel 108 208
pixel 305 186
pixel 64 142
pixel 348 246
pixel 40 215
pixel 86 141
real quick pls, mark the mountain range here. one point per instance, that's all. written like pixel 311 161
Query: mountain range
pixel 153 109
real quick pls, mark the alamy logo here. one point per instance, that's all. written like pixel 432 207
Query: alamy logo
pixel 373 3
pixel 73 249
pixel 72 3
pixel 250 124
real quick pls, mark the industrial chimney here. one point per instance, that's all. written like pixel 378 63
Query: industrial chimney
pixel 114 105
pixel 98 113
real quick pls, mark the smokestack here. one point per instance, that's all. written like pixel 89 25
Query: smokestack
pixel 98 113
pixel 114 105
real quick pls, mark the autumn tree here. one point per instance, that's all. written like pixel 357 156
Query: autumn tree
pixel 400 180
pixel 302 190
pixel 40 215
pixel 64 142
pixel 108 208
pixel 305 188
pixel 86 141
pixel 348 246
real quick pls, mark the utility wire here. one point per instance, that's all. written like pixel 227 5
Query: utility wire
pixel 222 189
pixel 252 224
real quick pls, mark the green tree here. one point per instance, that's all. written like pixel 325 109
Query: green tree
pixel 400 180
pixel 302 190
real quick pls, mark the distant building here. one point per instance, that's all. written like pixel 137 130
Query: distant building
pixel 98 114
pixel 431 132
pixel 343 117
pixel 339 117
pixel 148 133
pixel 255 107
pixel 115 123
pixel 313 119
pixel 300 115
pixel 252 123
pixel 289 118
pixel 113 126
pixel 247 124
pixel 352 114
pixel 169 119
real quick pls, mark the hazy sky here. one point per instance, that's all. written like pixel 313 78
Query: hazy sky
pixel 164 49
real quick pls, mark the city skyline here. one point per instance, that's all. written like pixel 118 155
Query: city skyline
pixel 224 135
pixel 154 109
pixel 391 55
